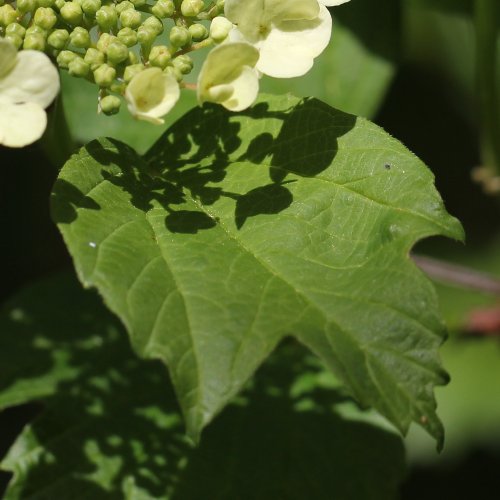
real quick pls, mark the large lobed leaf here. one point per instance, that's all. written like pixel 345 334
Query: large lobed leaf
pixel 237 230
pixel 110 426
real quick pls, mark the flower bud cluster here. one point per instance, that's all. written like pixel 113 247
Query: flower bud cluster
pixel 139 49
pixel 110 42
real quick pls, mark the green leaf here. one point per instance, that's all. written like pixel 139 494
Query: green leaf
pixel 112 429
pixel 237 230
pixel 355 71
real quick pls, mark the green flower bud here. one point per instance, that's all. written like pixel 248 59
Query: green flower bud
pixel 15 29
pixel 80 38
pixel 110 105
pixel 36 30
pixel 118 87
pixel 123 6
pixel 14 39
pixel 106 17
pixel 94 58
pixel 127 36
pixel 170 70
pixel 133 58
pixel 179 36
pixel 191 8
pixel 154 23
pixel 160 56
pixel 90 7
pixel 58 39
pixel 198 32
pixel 7 15
pixel 64 58
pixel 104 40
pixel 146 36
pixel 130 18
pixel 183 63
pixel 104 75
pixel 78 67
pixel 24 6
pixel 34 41
pixel 59 4
pixel 117 52
pixel 220 28
pixel 138 3
pixel 163 9
pixel 131 71
pixel 46 3
pixel 72 13
pixel 45 17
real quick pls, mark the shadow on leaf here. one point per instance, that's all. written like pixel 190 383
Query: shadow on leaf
pixel 189 165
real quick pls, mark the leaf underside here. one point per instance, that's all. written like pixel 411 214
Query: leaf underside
pixel 237 230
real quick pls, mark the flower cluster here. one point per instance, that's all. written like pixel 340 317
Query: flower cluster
pixel 139 49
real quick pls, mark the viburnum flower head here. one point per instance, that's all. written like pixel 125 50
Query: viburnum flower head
pixel 151 94
pixel 228 76
pixel 29 82
pixel 289 34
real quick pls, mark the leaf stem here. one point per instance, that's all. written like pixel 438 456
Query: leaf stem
pixel 487 21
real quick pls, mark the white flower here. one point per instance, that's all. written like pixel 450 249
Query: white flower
pixel 29 82
pixel 151 94
pixel 228 76
pixel 289 34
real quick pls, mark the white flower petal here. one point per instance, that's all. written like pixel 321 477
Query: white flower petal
pixel 7 56
pixel 220 93
pixel 333 3
pixel 290 48
pixel 151 94
pixel 246 89
pixel 247 14
pixel 33 79
pixel 228 76
pixel 220 28
pixel 291 10
pixel 21 124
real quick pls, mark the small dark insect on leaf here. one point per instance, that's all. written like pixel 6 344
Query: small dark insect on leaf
pixel 387 166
